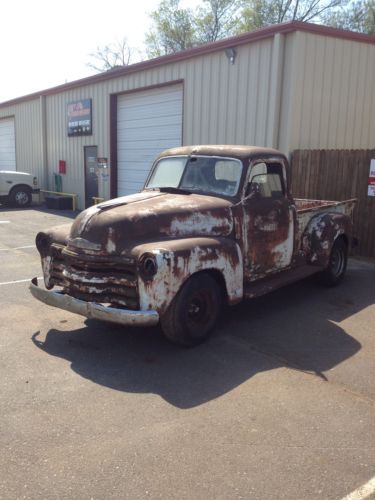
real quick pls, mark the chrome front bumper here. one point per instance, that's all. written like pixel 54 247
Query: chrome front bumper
pixel 92 309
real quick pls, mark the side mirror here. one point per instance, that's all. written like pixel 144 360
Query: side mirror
pixel 253 190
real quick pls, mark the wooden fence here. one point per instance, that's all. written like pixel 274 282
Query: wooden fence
pixel 339 175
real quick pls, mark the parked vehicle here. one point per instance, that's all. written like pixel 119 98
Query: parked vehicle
pixel 17 188
pixel 212 226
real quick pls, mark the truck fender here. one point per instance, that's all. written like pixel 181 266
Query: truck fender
pixel 178 260
pixel 320 235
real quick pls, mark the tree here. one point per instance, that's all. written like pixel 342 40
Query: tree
pixel 173 29
pixel 177 28
pixel 358 16
pixel 216 19
pixel 259 13
pixel 114 55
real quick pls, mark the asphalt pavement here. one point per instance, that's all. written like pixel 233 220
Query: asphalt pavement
pixel 278 404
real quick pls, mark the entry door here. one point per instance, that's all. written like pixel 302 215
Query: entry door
pixel 269 222
pixel 91 174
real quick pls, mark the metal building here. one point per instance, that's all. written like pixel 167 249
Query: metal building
pixel 289 86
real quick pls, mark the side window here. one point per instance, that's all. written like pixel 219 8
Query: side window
pixel 266 181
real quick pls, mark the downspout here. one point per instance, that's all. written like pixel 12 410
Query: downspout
pixel 276 87
pixel 43 121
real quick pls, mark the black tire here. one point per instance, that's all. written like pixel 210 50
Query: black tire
pixel 194 311
pixel 335 271
pixel 20 197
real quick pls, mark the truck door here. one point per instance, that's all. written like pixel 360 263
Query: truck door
pixel 268 221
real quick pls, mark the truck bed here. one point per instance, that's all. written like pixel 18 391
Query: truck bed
pixel 306 209
pixel 305 205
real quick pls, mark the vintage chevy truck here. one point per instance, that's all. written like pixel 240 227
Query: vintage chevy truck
pixel 213 225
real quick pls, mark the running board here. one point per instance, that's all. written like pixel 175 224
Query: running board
pixel 265 285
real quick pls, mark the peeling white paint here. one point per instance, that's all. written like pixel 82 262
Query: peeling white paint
pixel 175 269
pixel 84 244
pixel 283 252
pixel 200 223
pixel 111 244
pixel 46 266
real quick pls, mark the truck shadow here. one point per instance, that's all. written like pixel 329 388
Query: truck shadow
pixel 292 327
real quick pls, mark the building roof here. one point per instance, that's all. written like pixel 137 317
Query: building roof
pixel 206 48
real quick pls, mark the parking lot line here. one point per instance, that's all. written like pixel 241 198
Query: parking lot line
pixel 17 281
pixel 17 248
pixel 364 491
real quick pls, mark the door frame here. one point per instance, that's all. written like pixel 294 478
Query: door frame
pixel 84 167
pixel 276 207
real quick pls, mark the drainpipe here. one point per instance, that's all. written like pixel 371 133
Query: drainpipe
pixel 276 87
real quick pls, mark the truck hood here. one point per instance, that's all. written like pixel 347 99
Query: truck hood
pixel 115 227
pixel 15 175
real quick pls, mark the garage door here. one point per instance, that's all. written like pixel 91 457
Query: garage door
pixel 148 123
pixel 7 145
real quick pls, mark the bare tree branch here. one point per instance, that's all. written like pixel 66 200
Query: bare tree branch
pixel 112 56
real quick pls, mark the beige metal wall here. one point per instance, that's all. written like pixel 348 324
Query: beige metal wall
pixel 328 99
pixel 28 135
pixel 223 103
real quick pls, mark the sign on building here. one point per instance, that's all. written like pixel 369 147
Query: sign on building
pixel 79 118
pixel 371 179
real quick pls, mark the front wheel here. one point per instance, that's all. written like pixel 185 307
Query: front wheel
pixel 194 311
pixel 335 271
pixel 20 197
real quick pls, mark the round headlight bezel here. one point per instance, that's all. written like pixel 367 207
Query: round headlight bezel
pixel 148 266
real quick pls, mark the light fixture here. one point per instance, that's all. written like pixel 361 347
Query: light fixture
pixel 230 52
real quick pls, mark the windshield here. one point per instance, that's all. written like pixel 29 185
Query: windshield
pixel 206 174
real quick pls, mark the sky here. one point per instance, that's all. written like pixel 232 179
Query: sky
pixel 47 43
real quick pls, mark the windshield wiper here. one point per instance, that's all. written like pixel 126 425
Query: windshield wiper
pixel 171 189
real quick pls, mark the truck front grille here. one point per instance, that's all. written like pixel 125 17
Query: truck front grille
pixel 96 278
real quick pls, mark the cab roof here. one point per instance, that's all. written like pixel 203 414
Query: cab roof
pixel 233 151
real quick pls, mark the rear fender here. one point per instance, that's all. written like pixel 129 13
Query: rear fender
pixel 179 259
pixel 320 235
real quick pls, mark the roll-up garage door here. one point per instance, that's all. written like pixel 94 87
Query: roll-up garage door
pixel 148 122
pixel 7 145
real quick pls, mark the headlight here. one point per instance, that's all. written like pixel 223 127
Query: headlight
pixel 148 265
pixel 43 242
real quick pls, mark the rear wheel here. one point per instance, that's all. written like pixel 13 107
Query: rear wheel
pixel 335 271
pixel 20 197
pixel 194 311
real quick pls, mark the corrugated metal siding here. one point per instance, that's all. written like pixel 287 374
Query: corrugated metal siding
pixel 223 103
pixel 27 120
pixel 329 94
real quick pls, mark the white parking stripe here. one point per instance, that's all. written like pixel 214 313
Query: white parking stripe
pixel 17 248
pixel 363 492
pixel 4 221
pixel 17 281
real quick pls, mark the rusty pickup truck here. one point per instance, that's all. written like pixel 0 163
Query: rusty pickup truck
pixel 212 226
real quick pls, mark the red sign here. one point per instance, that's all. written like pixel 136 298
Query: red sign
pixel 371 179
